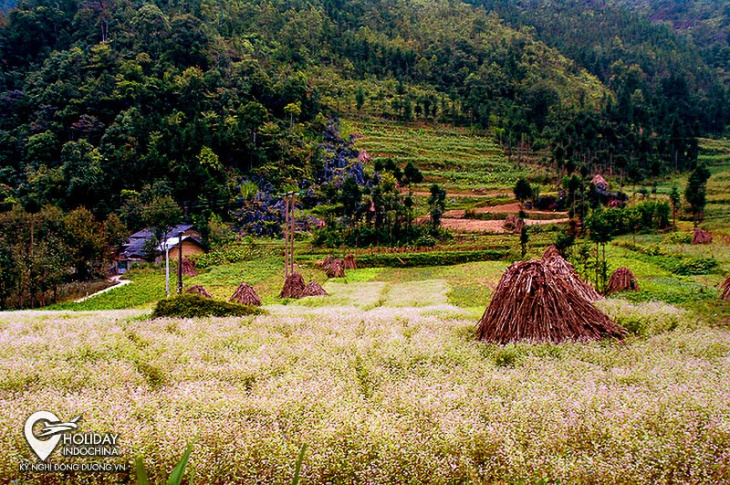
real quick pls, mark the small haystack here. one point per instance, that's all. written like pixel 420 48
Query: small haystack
pixel 198 290
pixel 337 269
pixel 563 269
pixel 315 289
pixel 622 280
pixel 350 262
pixel 188 267
pixel 246 295
pixel 531 303
pixel 293 286
pixel 333 267
pixel 701 236
pixel 513 223
pixel 725 289
pixel 327 262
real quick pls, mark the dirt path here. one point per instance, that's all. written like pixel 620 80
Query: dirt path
pixel 117 279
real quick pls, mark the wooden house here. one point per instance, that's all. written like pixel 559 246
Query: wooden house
pixel 136 249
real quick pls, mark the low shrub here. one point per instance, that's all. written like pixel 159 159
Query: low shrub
pixel 695 266
pixel 234 253
pixel 678 264
pixel 646 318
pixel 192 306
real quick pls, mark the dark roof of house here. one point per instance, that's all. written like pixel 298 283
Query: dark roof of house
pixel 135 246
pixel 148 233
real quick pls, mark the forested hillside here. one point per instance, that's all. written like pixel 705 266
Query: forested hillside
pixel 110 104
pixel 706 22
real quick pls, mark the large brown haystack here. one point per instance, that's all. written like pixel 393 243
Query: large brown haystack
pixel 246 295
pixel 188 267
pixel 314 289
pixel 622 280
pixel 563 269
pixel 701 236
pixel 198 290
pixel 350 262
pixel 531 303
pixel 725 289
pixel 293 286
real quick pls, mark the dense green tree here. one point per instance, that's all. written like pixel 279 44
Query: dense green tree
pixel 359 98
pixel 86 243
pixel 437 205
pixel 696 192
pixel 601 230
pixel 522 190
pixel 160 214
pixel 675 200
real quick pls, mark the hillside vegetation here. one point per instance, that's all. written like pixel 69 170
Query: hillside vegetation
pixel 121 113
pixel 180 98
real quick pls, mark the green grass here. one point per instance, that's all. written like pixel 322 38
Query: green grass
pixel 146 288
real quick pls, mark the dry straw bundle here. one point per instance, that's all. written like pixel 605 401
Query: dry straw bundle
pixel 198 290
pixel 513 223
pixel 701 236
pixel 246 295
pixel 350 262
pixel 188 267
pixel 532 303
pixel 725 289
pixel 333 267
pixel 622 280
pixel 293 286
pixel 563 269
pixel 314 289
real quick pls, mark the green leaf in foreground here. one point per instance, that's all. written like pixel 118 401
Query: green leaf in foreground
pixel 179 470
pixel 300 459
pixel 142 478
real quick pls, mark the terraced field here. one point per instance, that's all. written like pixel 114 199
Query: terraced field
pixel 464 163
pixel 716 153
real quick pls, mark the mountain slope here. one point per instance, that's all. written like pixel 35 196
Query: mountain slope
pixel 181 98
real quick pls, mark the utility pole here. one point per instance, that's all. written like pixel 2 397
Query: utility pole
pixel 286 236
pixel 167 265
pixel 291 221
pixel 179 263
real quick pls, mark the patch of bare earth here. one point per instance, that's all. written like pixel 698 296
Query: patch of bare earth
pixel 455 220
pixel 495 227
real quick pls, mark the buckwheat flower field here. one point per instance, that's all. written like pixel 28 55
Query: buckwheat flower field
pixel 386 395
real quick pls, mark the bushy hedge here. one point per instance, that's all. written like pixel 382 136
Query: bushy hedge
pixel 435 258
pixel 233 253
pixel 645 216
pixel 192 306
